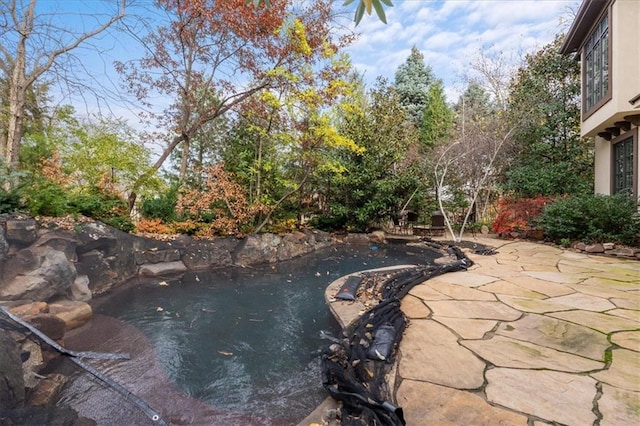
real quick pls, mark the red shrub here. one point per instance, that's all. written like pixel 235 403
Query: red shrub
pixel 517 214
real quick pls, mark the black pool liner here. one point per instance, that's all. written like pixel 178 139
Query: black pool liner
pixel 354 367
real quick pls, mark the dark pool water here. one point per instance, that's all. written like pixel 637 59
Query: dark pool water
pixel 247 339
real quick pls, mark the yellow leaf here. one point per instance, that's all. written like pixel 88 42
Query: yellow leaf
pixel 368 4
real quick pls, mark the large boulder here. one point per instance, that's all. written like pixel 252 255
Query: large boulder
pixel 73 313
pixel 201 255
pixel 293 245
pixel 157 255
pixel 63 241
pixel 21 232
pixel 47 391
pixel 29 309
pixel 4 246
pixel 257 249
pixel 106 255
pixel 100 271
pixel 159 269
pixel 33 364
pixel 11 381
pixel 80 290
pixel 52 275
pixel 93 258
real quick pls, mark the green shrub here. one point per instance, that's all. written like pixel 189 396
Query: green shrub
pixel 329 223
pixel 9 198
pixel 592 218
pixel 44 197
pixel 98 204
pixel 162 207
pixel 122 223
pixel 9 201
pixel 103 206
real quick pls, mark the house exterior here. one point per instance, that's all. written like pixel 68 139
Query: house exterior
pixel 606 37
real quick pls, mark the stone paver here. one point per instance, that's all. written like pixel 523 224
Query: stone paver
pixel 441 405
pixel 555 277
pixel 618 406
pixel 537 306
pixel 534 334
pixel 623 372
pixel 467 279
pixel 547 288
pixel 583 301
pixel 414 307
pixel 506 352
pixel 598 321
pixel 553 396
pixel 459 292
pixel 467 328
pixel 625 313
pixel 507 288
pixel 627 340
pixel 427 293
pixel 596 288
pixel 478 310
pixel 557 334
pixel 431 353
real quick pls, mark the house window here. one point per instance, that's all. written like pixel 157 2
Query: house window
pixel 596 65
pixel 623 172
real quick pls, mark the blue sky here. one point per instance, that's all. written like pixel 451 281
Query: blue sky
pixel 451 33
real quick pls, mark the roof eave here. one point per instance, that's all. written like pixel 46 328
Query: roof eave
pixel 585 18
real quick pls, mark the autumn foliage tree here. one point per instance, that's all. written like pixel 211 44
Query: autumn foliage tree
pixel 214 55
pixel 221 202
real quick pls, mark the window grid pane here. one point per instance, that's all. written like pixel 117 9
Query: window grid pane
pixel 596 62
pixel 623 166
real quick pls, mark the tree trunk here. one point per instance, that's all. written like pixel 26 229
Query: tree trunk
pixel 17 100
pixel 185 160
pixel 133 196
pixel 18 87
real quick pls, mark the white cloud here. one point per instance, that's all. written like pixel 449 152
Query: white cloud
pixel 451 33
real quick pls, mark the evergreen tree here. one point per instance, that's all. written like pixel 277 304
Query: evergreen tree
pixel 412 81
pixel 475 100
pixel 437 117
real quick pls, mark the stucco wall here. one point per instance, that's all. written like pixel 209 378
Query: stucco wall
pixel 602 166
pixel 624 68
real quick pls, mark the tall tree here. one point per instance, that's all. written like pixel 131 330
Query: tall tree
pixel 475 99
pixel 225 51
pixel 549 156
pixel 377 183
pixel 437 117
pixel 32 43
pixel 412 80
pixel 471 162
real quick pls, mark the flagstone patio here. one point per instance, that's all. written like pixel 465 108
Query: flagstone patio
pixel 534 334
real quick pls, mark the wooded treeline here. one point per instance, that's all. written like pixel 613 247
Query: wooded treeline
pixel 266 125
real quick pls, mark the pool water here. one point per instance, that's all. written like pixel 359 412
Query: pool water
pixel 247 339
